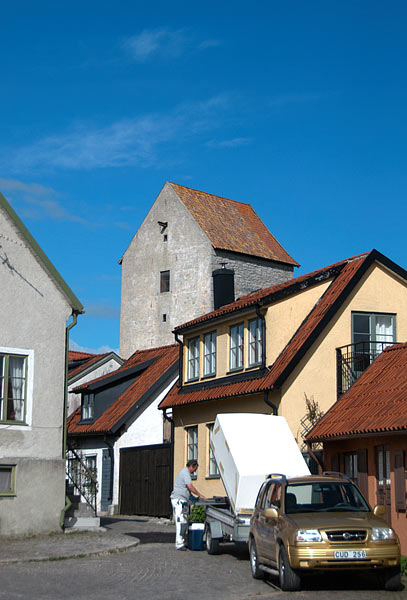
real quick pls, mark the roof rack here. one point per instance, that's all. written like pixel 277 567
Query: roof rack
pixel 276 476
pixel 335 474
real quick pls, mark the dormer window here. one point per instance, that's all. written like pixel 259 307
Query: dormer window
pixel 88 407
pixel 236 347
pixel 193 359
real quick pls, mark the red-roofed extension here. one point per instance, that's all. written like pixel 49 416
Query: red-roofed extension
pixel 232 225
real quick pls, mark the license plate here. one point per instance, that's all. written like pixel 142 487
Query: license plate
pixel 350 554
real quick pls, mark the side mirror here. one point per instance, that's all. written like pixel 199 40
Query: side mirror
pixel 270 513
pixel 379 510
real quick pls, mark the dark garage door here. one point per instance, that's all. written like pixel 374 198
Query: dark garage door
pixel 146 480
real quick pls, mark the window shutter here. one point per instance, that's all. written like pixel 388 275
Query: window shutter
pixel 399 478
pixel 335 462
pixel 362 473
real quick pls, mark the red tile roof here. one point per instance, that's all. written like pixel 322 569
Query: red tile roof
pixel 376 402
pixel 163 358
pixel 75 355
pixel 232 225
pixel 83 366
pixel 345 275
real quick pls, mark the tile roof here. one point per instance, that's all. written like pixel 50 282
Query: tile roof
pixel 232 225
pixel 345 274
pixel 376 402
pixel 83 363
pixel 75 355
pixel 163 359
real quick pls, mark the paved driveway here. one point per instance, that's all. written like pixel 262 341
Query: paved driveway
pixel 154 569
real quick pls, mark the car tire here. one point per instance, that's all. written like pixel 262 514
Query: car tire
pixel 390 579
pixel 290 580
pixel 257 573
pixel 211 544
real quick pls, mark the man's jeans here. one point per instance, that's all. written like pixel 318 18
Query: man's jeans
pixel 181 520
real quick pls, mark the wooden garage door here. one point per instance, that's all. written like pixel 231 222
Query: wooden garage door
pixel 146 480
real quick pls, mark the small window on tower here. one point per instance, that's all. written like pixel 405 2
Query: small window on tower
pixel 165 237
pixel 164 281
pixel 164 318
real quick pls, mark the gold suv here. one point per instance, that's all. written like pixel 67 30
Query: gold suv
pixel 322 522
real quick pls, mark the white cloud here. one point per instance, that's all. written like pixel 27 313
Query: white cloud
pixel 101 350
pixel 231 143
pixel 163 43
pixel 128 142
pixel 38 200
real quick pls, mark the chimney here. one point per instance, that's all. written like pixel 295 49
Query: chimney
pixel 223 286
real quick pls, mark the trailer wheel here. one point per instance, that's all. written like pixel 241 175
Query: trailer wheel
pixel 212 544
pixel 257 573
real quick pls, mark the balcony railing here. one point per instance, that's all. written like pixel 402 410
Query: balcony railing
pixel 352 360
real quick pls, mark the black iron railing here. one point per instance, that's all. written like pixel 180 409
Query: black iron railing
pixel 352 360
pixel 82 477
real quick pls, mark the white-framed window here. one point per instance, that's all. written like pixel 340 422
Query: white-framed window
pixel 7 480
pixel 88 406
pixel 255 342
pixel 213 470
pixel 13 387
pixel 192 444
pixel 236 347
pixel 209 365
pixel 193 359
pixel 375 330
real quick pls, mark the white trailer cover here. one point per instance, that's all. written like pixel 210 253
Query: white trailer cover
pixel 249 446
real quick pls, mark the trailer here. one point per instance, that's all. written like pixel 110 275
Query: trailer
pixel 247 447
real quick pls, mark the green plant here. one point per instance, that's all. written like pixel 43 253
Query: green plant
pixel 197 514
pixel 403 565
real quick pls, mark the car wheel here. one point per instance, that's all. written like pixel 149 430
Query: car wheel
pixel 390 579
pixel 290 580
pixel 212 544
pixel 257 573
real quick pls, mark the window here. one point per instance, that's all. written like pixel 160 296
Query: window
pixel 88 406
pixel 373 331
pixel 210 353
pixel 192 445
pixel 351 465
pixel 83 476
pixel 236 347
pixel 213 470
pixel 7 480
pixel 193 359
pixel 255 342
pixel 164 281
pixel 13 377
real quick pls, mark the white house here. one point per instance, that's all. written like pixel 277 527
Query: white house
pixel 35 304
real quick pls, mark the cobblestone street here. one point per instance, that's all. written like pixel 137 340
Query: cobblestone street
pixel 154 569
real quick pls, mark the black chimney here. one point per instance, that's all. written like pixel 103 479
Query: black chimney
pixel 223 286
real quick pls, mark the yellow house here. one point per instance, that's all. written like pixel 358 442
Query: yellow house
pixel 267 352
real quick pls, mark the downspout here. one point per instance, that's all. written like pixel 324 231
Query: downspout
pixel 270 403
pixel 179 359
pixel 111 452
pixel 171 421
pixel 314 456
pixel 263 337
pixel 64 432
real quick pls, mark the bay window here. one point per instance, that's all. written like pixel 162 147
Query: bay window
pixel 193 359
pixel 255 342
pixel 209 364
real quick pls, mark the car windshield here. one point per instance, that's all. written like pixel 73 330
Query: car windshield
pixel 323 497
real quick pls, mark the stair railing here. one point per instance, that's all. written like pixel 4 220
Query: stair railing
pixel 82 478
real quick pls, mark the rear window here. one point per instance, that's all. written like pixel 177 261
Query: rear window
pixel 324 497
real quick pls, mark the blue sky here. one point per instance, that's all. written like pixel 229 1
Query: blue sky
pixel 298 108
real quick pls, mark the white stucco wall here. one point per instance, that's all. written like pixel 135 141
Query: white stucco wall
pixel 33 317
